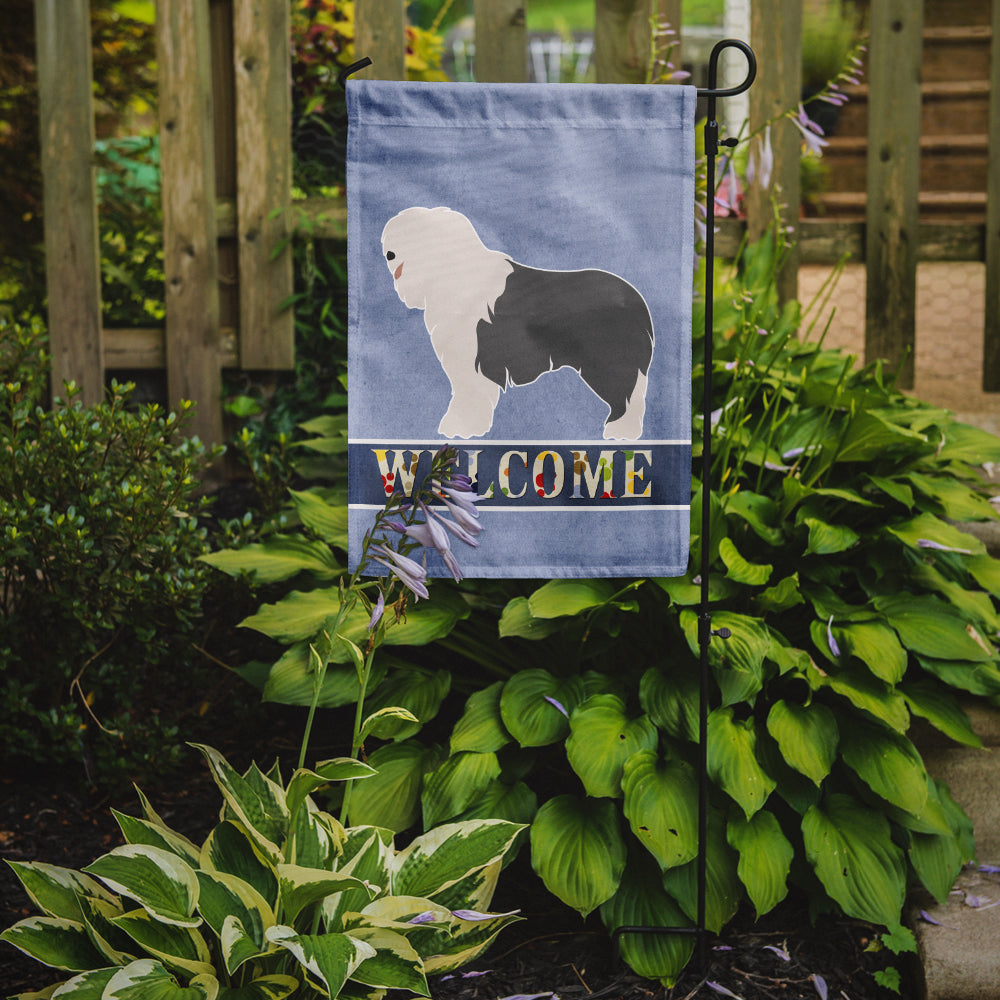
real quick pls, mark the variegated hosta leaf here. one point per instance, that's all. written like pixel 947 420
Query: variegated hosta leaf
pixel 86 986
pixel 467 940
pixel 141 831
pixel 273 987
pixel 304 782
pixel 56 891
pixel 147 979
pixel 329 959
pixel 723 889
pixel 367 853
pixel 578 851
pixel 456 784
pixel 158 880
pixel 54 941
pixel 661 799
pixel 391 799
pixel 850 847
pixel 807 736
pixel 300 887
pixel 602 737
pixel 230 849
pixel 535 706
pixel 395 964
pixel 225 897
pixel 116 947
pixel 476 890
pixel 481 727
pixel 177 947
pixel 732 760
pixel 441 857
pixel 256 801
pixel 888 763
pixel 765 858
pixel 315 838
pixel 642 902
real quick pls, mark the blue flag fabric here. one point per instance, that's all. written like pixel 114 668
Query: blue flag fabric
pixel 520 261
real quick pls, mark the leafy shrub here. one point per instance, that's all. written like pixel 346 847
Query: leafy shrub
pixel 279 899
pixel 854 604
pixel 99 539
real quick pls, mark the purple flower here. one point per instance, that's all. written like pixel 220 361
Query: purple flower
pixel 377 611
pixel 410 573
pixel 475 915
pixel 834 648
pixel 811 132
pixel 462 533
pixel 820 983
pixel 427 917
pixel 780 952
pixel 558 705
pixel 719 988
pixel 761 163
pixel 927 543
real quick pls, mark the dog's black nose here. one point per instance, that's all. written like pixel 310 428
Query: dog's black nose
pixel 390 255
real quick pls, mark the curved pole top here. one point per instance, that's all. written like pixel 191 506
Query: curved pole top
pixel 713 69
pixel 353 68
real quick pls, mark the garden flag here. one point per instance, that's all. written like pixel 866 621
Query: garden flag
pixel 520 262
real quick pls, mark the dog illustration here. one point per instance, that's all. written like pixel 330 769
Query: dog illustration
pixel 496 323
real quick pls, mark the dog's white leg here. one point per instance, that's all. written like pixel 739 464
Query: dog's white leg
pixel 470 412
pixel 628 427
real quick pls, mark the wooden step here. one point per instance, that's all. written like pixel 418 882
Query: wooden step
pixel 957 206
pixel 947 162
pixel 956 53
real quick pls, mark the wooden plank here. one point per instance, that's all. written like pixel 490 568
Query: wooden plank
pixel 501 38
pixel 144 348
pixel 621 40
pixel 776 36
pixel 72 257
pixel 190 254
pixel 262 61
pixel 380 34
pixel 991 332
pixel 893 184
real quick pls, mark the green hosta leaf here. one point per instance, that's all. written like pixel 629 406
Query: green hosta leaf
pixel 941 709
pixel 260 809
pixel 327 520
pixel 888 763
pixel 893 488
pixel 56 891
pixel 602 738
pixel 739 569
pixel 274 987
pixel 850 847
pixel 304 782
pixel 876 646
pixel 765 858
pixel 225 897
pixel 783 595
pixel 147 979
pixel 661 798
pixel 330 959
pixel 738 661
pixel 932 628
pixel 180 948
pixel 528 710
pixel 732 760
pixel 671 699
pixel 515 803
pixel 986 571
pixel 301 887
pixel 965 443
pixel 517 620
pixel 558 598
pixel 141 831
pixel 279 558
pixel 928 528
pixel 291 680
pixel 391 798
pixel 807 736
pixel 159 881
pixel 865 692
pixel 957 501
pixel 481 728
pixel 758 511
pixel 723 889
pixel 395 964
pixel 827 539
pixel 578 851
pixel 443 856
pixel 54 941
pixel 976 678
pixel 937 860
pixel 641 901
pixel 684 592
pixel 231 850
pixel 976 605
pixel 386 723
pixel 870 435
pixel 456 784
pixel 415 689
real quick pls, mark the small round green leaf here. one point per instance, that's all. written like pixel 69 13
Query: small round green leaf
pixel 807 736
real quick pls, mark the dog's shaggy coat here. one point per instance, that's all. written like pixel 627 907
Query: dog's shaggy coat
pixel 496 323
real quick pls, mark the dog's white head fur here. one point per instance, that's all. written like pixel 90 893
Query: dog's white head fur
pixel 439 264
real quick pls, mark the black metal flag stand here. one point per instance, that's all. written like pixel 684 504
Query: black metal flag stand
pixel 705 631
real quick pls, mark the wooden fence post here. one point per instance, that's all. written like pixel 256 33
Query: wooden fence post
pixel 893 183
pixel 621 40
pixel 190 252
pixel 72 256
pixel 776 35
pixel 262 61
pixel 501 38
pixel 991 333
pixel 380 34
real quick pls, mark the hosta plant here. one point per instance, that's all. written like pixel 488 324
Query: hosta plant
pixel 279 900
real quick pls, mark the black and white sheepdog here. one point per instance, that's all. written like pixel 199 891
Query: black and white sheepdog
pixel 495 323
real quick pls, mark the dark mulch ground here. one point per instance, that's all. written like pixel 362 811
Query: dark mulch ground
pixel 551 951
